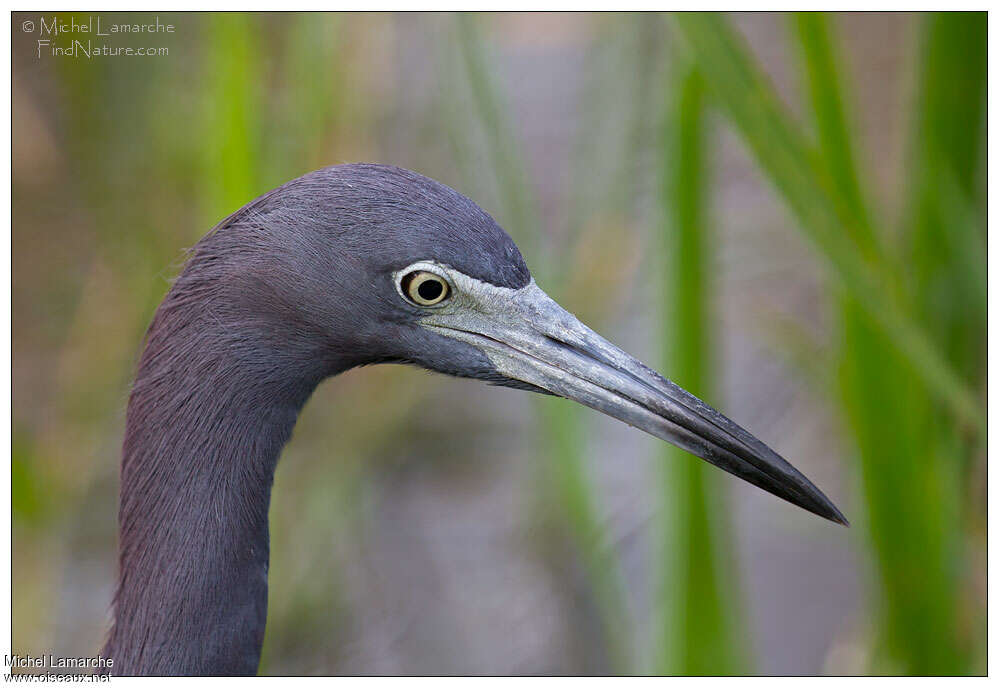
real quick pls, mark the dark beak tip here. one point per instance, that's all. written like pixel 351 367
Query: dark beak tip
pixel 841 519
pixel 809 497
pixel 827 510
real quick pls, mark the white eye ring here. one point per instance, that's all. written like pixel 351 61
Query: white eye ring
pixel 423 285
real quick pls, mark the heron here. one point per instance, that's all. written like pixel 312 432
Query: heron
pixel 347 266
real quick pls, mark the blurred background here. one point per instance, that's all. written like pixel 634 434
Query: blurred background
pixel 784 213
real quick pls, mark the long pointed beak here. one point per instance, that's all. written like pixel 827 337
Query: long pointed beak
pixel 530 339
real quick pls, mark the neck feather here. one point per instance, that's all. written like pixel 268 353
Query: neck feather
pixel 209 413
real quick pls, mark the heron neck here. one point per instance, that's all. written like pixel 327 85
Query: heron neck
pixel 207 418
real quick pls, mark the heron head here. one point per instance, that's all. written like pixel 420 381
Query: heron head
pixel 393 266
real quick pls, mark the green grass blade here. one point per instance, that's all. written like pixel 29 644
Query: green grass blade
pixel 908 478
pixel 561 431
pixel 233 103
pixel 911 504
pixel 562 439
pixel 944 238
pixel 518 202
pixel 307 109
pixel 697 620
pixel 946 255
pixel 782 153
pixel 835 144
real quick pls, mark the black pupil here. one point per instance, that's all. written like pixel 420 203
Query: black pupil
pixel 430 289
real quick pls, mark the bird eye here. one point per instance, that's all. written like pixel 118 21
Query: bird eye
pixel 425 288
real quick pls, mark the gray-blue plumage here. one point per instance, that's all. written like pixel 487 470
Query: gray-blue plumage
pixel 311 279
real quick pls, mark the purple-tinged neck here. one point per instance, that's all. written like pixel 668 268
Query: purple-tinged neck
pixel 210 410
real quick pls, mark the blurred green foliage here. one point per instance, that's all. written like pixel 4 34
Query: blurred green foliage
pixel 561 434
pixel 119 165
pixel 701 614
pixel 803 182
pixel 909 385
